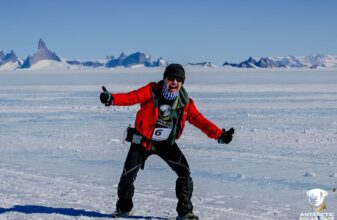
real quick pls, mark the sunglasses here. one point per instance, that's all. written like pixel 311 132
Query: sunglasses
pixel 171 78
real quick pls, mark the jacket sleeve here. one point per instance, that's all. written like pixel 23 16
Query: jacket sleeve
pixel 137 96
pixel 199 121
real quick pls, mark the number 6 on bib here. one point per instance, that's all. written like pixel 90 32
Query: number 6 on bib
pixel 161 134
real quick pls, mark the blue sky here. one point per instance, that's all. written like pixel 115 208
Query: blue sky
pixel 179 30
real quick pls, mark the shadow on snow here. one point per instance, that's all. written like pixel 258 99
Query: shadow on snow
pixel 35 209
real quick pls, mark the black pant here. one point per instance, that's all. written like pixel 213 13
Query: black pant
pixel 173 156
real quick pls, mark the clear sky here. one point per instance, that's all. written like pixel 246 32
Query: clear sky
pixel 178 30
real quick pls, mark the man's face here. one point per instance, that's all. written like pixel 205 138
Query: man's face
pixel 173 84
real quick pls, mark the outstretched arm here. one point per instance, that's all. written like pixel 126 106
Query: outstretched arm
pixel 125 99
pixel 206 126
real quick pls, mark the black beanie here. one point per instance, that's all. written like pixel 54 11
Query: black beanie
pixel 175 70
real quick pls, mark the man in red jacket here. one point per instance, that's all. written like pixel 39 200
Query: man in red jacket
pixel 164 108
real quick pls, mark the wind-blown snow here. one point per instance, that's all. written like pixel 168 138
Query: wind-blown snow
pixel 62 151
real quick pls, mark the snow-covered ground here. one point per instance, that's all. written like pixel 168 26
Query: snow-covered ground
pixel 61 151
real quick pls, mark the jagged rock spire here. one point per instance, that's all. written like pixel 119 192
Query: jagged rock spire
pixel 41 44
pixel 2 55
pixel 42 54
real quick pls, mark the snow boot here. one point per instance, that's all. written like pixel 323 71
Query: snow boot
pixel 188 216
pixel 121 214
pixel 184 190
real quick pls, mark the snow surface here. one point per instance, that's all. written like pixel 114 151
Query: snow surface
pixel 62 151
pixel 50 64
pixel 9 66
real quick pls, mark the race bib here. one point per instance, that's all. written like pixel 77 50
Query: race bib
pixel 161 134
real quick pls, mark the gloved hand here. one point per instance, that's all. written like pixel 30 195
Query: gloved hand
pixel 226 136
pixel 106 97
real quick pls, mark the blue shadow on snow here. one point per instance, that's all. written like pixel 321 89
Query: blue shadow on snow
pixel 35 209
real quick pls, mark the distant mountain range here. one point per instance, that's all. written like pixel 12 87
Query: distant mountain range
pixel 312 61
pixel 44 58
pixel 202 64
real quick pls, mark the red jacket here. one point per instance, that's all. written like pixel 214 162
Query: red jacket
pixel 148 114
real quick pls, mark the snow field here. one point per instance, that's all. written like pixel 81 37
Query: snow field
pixel 62 151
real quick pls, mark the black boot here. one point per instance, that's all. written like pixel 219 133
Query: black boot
pixel 121 214
pixel 184 190
pixel 188 216
pixel 125 194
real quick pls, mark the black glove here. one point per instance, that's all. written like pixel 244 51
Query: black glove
pixel 226 136
pixel 106 97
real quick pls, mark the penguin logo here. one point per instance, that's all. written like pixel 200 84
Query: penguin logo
pixel 317 199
